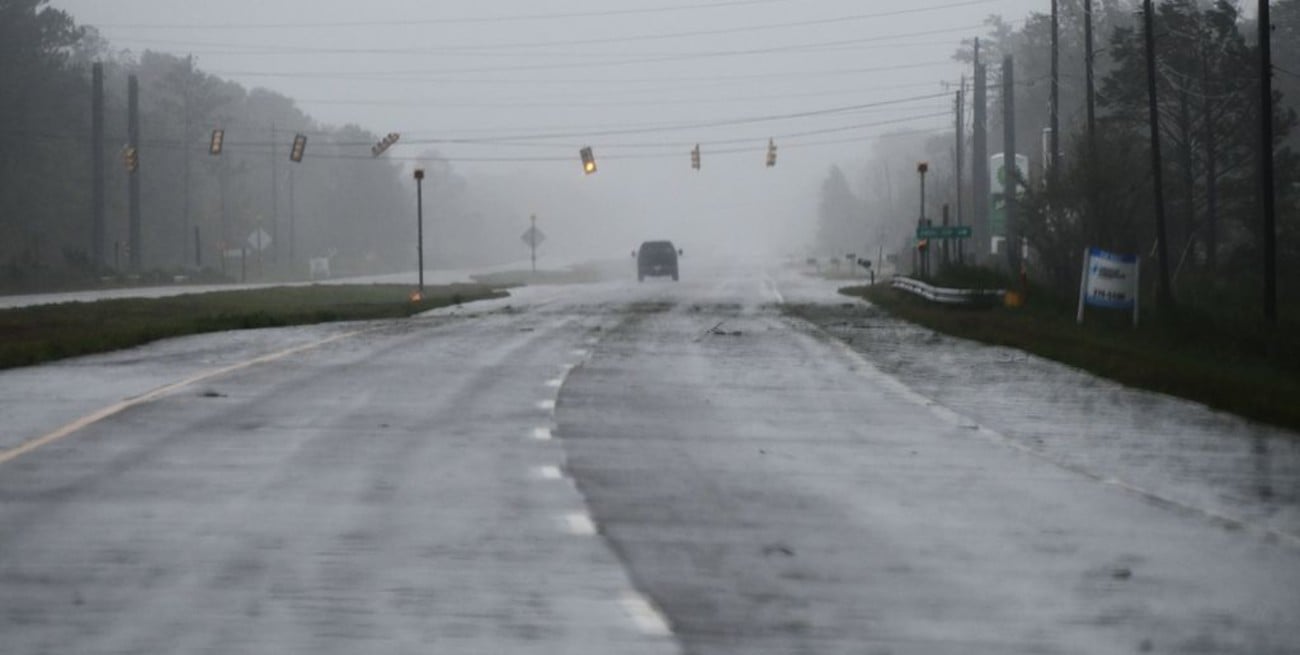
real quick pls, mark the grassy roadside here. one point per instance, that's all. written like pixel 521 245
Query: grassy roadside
pixel 31 335
pixel 1245 371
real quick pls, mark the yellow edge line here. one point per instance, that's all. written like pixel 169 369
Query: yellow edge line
pixel 101 414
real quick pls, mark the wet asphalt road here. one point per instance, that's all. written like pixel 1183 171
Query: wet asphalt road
pixel 610 468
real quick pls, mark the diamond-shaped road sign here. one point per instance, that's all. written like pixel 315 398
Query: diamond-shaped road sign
pixel 259 240
pixel 533 237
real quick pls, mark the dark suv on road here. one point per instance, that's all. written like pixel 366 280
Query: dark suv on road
pixel 656 258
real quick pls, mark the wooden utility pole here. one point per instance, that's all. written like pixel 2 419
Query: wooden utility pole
pixel 1165 299
pixel 1055 140
pixel 980 160
pixel 1267 195
pixel 1011 173
pixel 135 259
pixel 961 157
pixel 1089 58
pixel 97 168
pixel 185 152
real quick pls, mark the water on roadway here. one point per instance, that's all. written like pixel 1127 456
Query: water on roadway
pixel 616 468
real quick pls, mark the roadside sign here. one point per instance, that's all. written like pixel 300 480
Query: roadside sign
pixel 944 232
pixel 259 240
pixel 1109 281
pixel 532 237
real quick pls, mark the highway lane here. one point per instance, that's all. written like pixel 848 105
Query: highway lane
pixel 396 491
pixel 609 468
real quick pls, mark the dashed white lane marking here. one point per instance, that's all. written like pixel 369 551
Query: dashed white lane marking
pixel 555 383
pixel 546 404
pixel 579 352
pixel 646 616
pixel 548 473
pixel 95 417
pixel 542 434
pixel 579 524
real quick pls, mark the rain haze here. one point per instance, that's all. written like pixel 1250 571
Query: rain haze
pixel 951 327
pixel 641 83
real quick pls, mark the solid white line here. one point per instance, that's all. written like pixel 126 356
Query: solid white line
pixel 555 383
pixel 546 404
pixel 867 368
pixel 645 615
pixel 101 414
pixel 542 434
pixel 579 524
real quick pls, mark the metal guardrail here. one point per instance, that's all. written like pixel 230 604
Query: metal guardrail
pixel 968 297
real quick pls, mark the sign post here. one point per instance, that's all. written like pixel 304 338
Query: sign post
pixel 1109 281
pixel 533 237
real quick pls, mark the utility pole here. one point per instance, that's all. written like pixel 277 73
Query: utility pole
pixel 961 156
pixel 97 167
pixel 133 176
pixel 292 213
pixel 1267 194
pixel 980 159
pixel 275 202
pixel 1089 59
pixel 1055 139
pixel 185 152
pixel 921 169
pixel 1010 172
pixel 532 239
pixel 1165 299
pixel 419 224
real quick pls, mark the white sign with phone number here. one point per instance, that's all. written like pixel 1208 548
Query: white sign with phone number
pixel 1109 280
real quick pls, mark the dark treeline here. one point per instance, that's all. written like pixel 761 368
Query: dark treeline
pixel 337 203
pixel 1207 72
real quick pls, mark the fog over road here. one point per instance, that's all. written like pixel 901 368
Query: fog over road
pixel 629 468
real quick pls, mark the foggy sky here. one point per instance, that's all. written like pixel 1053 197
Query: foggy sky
pixel 423 70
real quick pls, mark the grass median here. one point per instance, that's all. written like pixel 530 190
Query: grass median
pixel 1238 367
pixel 31 335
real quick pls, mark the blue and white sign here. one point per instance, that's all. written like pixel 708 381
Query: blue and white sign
pixel 1109 281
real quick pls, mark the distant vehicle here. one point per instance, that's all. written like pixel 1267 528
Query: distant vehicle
pixel 656 259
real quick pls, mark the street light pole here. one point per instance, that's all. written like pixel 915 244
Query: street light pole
pixel 419 224
pixel 923 168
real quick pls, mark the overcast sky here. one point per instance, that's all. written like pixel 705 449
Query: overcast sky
pixel 640 81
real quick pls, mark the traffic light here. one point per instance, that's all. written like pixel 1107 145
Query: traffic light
pixel 588 161
pixel 218 138
pixel 695 157
pixel 771 153
pixel 130 158
pixel 299 145
pixel 384 144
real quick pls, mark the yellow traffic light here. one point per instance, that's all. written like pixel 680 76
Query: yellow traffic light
pixel 218 139
pixel 130 158
pixel 588 161
pixel 299 147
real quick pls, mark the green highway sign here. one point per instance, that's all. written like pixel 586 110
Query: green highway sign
pixel 944 232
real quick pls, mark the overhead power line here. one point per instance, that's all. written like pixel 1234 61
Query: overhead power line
pixel 532 17
pixel 567 101
pixel 676 80
pixel 443 50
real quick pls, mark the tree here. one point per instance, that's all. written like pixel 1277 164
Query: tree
pixel 840 223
